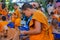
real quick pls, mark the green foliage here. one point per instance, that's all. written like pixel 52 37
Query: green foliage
pixel 10 7
pixel 0 0
pixel 44 3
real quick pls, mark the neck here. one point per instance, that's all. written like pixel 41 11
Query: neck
pixel 33 10
pixel 16 9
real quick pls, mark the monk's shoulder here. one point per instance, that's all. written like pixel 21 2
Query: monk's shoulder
pixel 39 13
pixel 17 10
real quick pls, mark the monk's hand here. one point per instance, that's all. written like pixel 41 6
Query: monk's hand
pixel 24 32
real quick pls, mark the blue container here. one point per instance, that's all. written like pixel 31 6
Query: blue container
pixel 56 35
pixel 22 28
pixel 11 25
pixel 58 24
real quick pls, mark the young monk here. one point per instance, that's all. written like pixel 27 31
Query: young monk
pixel 3 27
pixel 4 11
pixel 16 21
pixel 10 33
pixel 39 27
pixel 16 13
pixel 3 23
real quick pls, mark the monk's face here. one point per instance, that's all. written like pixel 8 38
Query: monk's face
pixel 15 7
pixel 27 12
pixel 58 8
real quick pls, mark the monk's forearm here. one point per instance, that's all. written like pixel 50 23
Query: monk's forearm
pixel 31 32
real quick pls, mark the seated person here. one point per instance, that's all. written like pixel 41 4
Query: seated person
pixel 3 23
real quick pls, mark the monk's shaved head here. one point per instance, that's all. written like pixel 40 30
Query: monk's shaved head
pixel 26 5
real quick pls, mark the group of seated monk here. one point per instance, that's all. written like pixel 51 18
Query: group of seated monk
pixel 7 33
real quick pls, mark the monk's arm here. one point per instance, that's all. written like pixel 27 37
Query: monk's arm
pixel 36 30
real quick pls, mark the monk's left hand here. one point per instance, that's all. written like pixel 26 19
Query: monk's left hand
pixel 23 32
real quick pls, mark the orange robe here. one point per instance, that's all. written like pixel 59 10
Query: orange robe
pixel 59 19
pixel 13 18
pixel 17 22
pixel 46 33
pixel 17 12
pixel 2 24
pixel 4 12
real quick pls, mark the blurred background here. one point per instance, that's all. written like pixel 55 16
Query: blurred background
pixel 42 3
